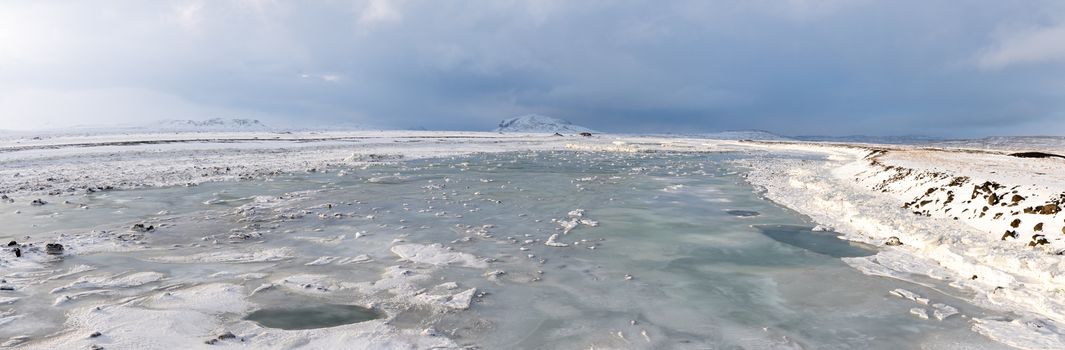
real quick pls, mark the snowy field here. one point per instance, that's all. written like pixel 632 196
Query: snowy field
pixel 527 240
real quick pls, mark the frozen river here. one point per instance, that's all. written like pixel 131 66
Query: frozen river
pixel 552 250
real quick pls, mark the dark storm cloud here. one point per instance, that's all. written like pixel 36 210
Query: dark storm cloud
pixel 793 67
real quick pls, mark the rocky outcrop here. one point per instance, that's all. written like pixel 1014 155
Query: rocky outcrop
pixel 992 205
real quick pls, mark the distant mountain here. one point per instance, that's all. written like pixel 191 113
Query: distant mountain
pixel 1011 143
pixel 188 125
pixel 894 140
pixel 760 135
pixel 215 124
pixel 539 123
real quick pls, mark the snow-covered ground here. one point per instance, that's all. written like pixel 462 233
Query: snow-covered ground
pixel 974 217
pixel 66 165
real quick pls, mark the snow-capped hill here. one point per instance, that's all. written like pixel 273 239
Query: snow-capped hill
pixel 1011 143
pixel 539 123
pixel 760 135
pixel 214 124
pixel 892 140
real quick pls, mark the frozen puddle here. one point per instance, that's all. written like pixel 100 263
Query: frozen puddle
pixel 312 316
pixel 557 250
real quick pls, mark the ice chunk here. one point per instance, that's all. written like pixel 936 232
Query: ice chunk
pixel 943 311
pixel 905 294
pixel 265 255
pixel 436 254
pixel 551 242
pixel 112 281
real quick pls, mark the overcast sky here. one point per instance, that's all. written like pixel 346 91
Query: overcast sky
pixel 945 68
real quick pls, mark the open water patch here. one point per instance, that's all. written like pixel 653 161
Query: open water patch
pixel 827 243
pixel 743 213
pixel 312 316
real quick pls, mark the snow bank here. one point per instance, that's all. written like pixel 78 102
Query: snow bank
pixel 955 213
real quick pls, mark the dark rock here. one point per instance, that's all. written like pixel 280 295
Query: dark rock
pixel 1038 240
pixel 557 134
pixel 96 347
pixel 142 228
pixel 893 241
pixel 38 202
pixel 18 252
pixel 12 243
pixel 95 334
pixel 586 134
pixel 1038 227
pixel 53 249
pixel 986 187
pixel 226 335
pixel 1035 155
pixel 7 288
pixel 1009 234
pixel 992 199
pixel 1048 209
pixel 1015 223
pixel 1016 199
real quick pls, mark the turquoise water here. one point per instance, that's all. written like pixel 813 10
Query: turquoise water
pixel 685 254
